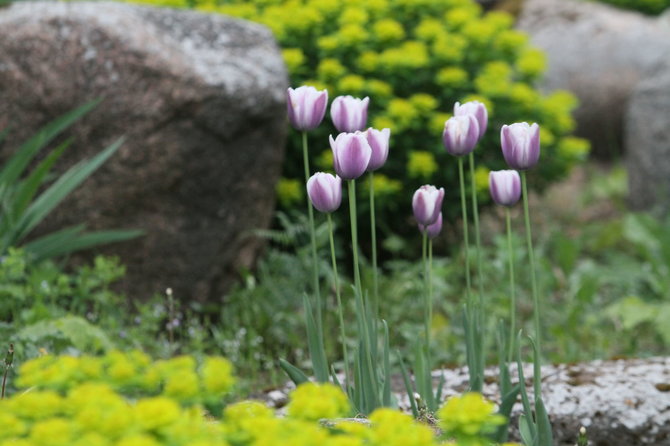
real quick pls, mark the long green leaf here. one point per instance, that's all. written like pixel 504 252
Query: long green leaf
pixel 60 189
pixel 408 386
pixel 544 435
pixel 505 410
pixel 294 373
pixel 440 390
pixel 522 388
pixel 525 430
pixel 28 187
pixel 370 389
pixel 53 245
pixel 358 388
pixel 14 168
pixel 316 351
pixel 386 390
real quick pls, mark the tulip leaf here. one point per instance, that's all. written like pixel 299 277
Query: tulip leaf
pixel 408 386
pixel 294 373
pixel 386 391
pixel 316 350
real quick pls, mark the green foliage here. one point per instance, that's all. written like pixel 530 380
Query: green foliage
pixel 27 198
pixel 38 301
pixel 414 59
pixel 652 7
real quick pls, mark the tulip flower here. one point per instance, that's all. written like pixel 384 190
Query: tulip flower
pixel 351 154
pixel 433 230
pixel 379 143
pixel 520 145
pixel 306 107
pixel 349 114
pixel 478 110
pixel 427 204
pixel 325 191
pixel 460 135
pixel 505 187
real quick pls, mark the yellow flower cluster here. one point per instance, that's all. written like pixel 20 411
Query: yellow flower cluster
pixel 133 373
pixel 313 402
pixel 86 408
pixel 469 415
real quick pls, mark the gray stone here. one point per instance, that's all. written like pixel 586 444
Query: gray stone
pixel 201 101
pixel 600 53
pixel 647 130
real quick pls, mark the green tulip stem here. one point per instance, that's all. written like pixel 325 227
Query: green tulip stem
pixel 340 310
pixel 531 260
pixel 373 235
pixel 471 342
pixel 512 305
pixel 475 218
pixel 430 289
pixel 354 235
pixel 312 231
pixel 464 211
pixel 426 278
pixel 478 244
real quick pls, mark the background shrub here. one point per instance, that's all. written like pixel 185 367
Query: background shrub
pixel 414 59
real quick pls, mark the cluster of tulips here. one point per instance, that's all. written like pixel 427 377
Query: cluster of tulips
pixel 357 150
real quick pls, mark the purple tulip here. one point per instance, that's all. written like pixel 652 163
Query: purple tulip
pixel 306 107
pixel 433 230
pixel 478 110
pixel 325 191
pixel 520 145
pixel 427 204
pixel 379 143
pixel 460 135
pixel 351 154
pixel 349 114
pixel 505 187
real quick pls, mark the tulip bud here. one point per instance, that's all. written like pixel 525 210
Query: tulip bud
pixel 325 191
pixel 306 107
pixel 433 230
pixel 505 187
pixel 460 135
pixel 427 204
pixel 478 110
pixel 351 154
pixel 349 114
pixel 520 145
pixel 379 143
